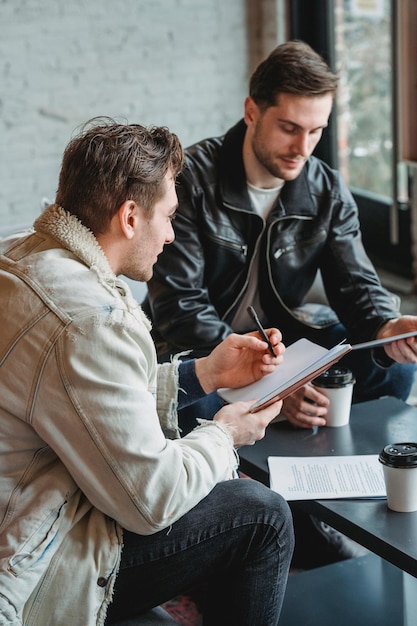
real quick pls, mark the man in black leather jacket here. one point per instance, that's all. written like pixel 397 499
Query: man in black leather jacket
pixel 258 217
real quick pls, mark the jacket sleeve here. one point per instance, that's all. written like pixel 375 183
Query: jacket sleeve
pixel 97 409
pixel 352 285
pixel 179 300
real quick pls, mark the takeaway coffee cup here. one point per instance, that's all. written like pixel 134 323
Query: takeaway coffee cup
pixel 337 384
pixel 399 463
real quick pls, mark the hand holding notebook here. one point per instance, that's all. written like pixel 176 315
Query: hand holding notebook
pixel 303 361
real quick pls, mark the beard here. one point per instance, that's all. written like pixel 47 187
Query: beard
pixel 136 265
pixel 273 163
pixel 139 274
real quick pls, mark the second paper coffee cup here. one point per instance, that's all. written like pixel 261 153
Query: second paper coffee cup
pixel 399 462
pixel 337 384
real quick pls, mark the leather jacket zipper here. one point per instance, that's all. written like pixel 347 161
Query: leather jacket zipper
pixel 230 244
pixel 282 251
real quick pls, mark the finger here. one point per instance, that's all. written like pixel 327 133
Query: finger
pixel 314 396
pixel 249 340
pixel 252 340
pixel 302 420
pixel 274 335
pixel 304 413
pixel 268 413
pixel 278 359
pixel 401 352
pixel 408 347
pixel 268 367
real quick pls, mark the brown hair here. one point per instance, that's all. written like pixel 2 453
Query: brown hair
pixel 292 67
pixel 108 163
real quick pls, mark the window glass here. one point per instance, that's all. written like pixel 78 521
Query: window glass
pixel 364 106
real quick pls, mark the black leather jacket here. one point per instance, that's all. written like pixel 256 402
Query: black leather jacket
pixel 199 279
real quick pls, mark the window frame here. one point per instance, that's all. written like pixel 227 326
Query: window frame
pixel 385 224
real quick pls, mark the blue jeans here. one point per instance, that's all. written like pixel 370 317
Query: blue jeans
pixel 238 541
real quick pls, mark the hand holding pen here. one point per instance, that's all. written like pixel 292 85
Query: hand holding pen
pixel 261 329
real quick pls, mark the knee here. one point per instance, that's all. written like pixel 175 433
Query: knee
pixel 377 381
pixel 276 514
pixel 265 505
pixel 261 514
pixel 399 380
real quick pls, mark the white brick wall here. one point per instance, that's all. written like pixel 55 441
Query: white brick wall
pixel 179 63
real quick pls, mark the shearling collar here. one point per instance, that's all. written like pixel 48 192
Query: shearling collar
pixel 73 235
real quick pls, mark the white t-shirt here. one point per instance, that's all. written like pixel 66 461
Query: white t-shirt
pixel 262 200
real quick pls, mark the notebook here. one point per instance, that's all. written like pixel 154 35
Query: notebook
pixel 303 361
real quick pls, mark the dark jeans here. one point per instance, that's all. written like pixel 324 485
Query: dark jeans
pixel 372 380
pixel 238 541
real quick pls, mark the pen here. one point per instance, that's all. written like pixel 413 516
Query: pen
pixel 255 318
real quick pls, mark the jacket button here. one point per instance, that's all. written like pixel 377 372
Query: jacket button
pixel 102 582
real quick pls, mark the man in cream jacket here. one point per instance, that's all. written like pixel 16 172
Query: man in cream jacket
pixel 105 510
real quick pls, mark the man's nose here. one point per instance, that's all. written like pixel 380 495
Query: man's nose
pixel 170 234
pixel 303 144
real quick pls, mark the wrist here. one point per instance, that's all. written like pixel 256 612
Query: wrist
pixel 189 388
pixel 203 373
pixel 387 329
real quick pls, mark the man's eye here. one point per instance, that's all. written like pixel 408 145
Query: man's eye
pixel 290 130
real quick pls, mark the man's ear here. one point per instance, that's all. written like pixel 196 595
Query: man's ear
pixel 128 218
pixel 250 110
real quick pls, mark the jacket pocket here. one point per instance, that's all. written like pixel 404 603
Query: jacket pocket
pixel 301 243
pixel 235 246
pixel 39 546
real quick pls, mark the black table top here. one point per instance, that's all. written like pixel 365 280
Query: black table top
pixel 391 535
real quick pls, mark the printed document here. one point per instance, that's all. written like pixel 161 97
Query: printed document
pixel 323 477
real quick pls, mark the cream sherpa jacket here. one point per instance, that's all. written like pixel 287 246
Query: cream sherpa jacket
pixel 84 416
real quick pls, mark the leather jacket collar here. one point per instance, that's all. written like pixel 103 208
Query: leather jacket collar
pixel 295 197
